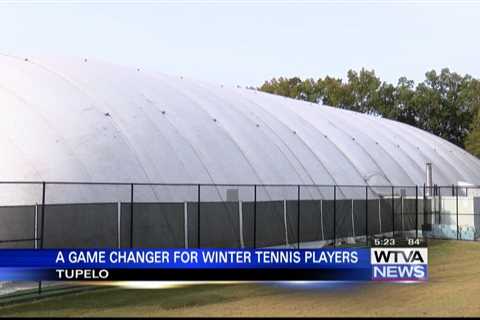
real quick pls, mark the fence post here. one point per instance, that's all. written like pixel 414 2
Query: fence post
pixel 439 200
pixel 119 224
pixel 35 227
pixel 43 215
pixel 43 228
pixel 453 194
pixel 131 215
pixel 456 203
pixel 393 212
pixel 436 205
pixel 198 215
pixel 255 216
pixel 424 205
pixel 416 212
pixel 334 216
pixel 298 216
pixel 366 214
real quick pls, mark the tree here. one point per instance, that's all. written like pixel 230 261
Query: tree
pixel 334 92
pixel 472 142
pixel 403 108
pixel 364 86
pixel 444 103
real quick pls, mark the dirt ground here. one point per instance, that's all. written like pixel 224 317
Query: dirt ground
pixel 453 289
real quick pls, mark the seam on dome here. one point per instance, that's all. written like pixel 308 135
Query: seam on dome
pixel 433 146
pixel 338 116
pixel 125 98
pixel 380 170
pixel 63 143
pixel 114 87
pixel 472 165
pixel 156 107
pixel 445 147
pixel 387 136
pixel 447 166
pixel 309 148
pixel 25 158
pixel 91 97
pixel 227 133
pixel 189 143
pixel 282 141
pixel 425 142
pixel 13 143
pixel 248 119
pixel 467 170
pixel 197 155
pixel 388 155
pixel 473 161
pixel 395 134
pixel 349 160
pixel 265 124
pixel 267 137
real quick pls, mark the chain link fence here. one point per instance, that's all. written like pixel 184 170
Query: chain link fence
pixel 141 215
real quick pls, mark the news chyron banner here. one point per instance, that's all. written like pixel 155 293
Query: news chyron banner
pixel 386 260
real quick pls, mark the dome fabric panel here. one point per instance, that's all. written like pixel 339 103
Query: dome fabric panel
pixel 85 120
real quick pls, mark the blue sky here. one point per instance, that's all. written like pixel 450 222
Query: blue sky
pixel 245 44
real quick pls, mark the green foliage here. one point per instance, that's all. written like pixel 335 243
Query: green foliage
pixel 444 104
pixel 472 142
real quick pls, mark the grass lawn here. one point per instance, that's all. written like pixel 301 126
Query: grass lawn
pixel 453 290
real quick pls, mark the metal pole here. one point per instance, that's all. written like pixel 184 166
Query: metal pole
pixel 198 215
pixel 334 215
pixel 43 228
pixel 439 201
pixel 298 215
pixel 456 200
pixel 416 212
pixel 366 214
pixel 43 215
pixel 131 215
pixel 424 204
pixel 435 204
pixel 393 212
pixel 255 216
pixel 119 224
pixel 453 194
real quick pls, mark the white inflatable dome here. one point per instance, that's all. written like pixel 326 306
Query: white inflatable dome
pixel 85 120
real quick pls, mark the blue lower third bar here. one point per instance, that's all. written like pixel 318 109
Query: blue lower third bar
pixel 36 274
pixel 329 264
